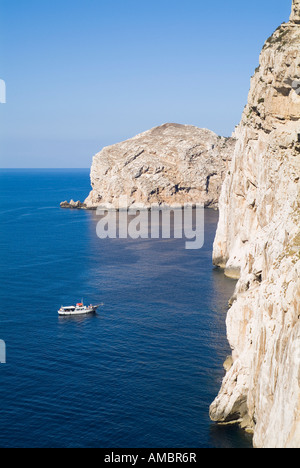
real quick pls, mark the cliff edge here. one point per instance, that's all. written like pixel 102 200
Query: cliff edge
pixel 258 241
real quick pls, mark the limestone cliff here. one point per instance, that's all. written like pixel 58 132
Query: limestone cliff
pixel 258 241
pixel 171 164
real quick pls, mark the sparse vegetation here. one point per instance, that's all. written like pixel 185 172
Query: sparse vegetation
pixel 278 37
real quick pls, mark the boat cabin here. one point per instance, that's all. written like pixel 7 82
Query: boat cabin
pixel 68 309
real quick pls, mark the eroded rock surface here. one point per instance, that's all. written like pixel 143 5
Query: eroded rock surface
pixel 172 164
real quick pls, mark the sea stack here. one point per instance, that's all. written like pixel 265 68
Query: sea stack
pixel 258 241
pixel 72 205
pixel 172 164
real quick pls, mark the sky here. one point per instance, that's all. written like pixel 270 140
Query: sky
pixel 84 74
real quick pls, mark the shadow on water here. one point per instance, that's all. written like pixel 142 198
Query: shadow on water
pixel 229 436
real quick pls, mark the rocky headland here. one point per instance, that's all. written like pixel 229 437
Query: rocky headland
pixel 258 241
pixel 172 164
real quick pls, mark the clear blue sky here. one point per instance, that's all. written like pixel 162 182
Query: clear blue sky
pixel 83 74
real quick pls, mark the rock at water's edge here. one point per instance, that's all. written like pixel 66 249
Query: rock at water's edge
pixel 73 205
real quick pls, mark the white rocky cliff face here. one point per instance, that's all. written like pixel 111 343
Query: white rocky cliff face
pixel 258 241
pixel 172 164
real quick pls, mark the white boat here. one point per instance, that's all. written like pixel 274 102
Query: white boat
pixel 79 309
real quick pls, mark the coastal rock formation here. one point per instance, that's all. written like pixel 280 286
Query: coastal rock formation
pixel 258 241
pixel 73 205
pixel 171 164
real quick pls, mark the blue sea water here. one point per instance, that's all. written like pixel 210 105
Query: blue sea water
pixel 144 370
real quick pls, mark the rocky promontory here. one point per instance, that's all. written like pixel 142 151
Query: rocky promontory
pixel 172 164
pixel 72 205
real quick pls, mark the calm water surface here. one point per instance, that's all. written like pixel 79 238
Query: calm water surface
pixel 144 370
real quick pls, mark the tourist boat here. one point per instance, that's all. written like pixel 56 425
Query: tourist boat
pixel 79 309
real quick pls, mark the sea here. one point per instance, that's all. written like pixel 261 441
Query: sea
pixel 140 373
